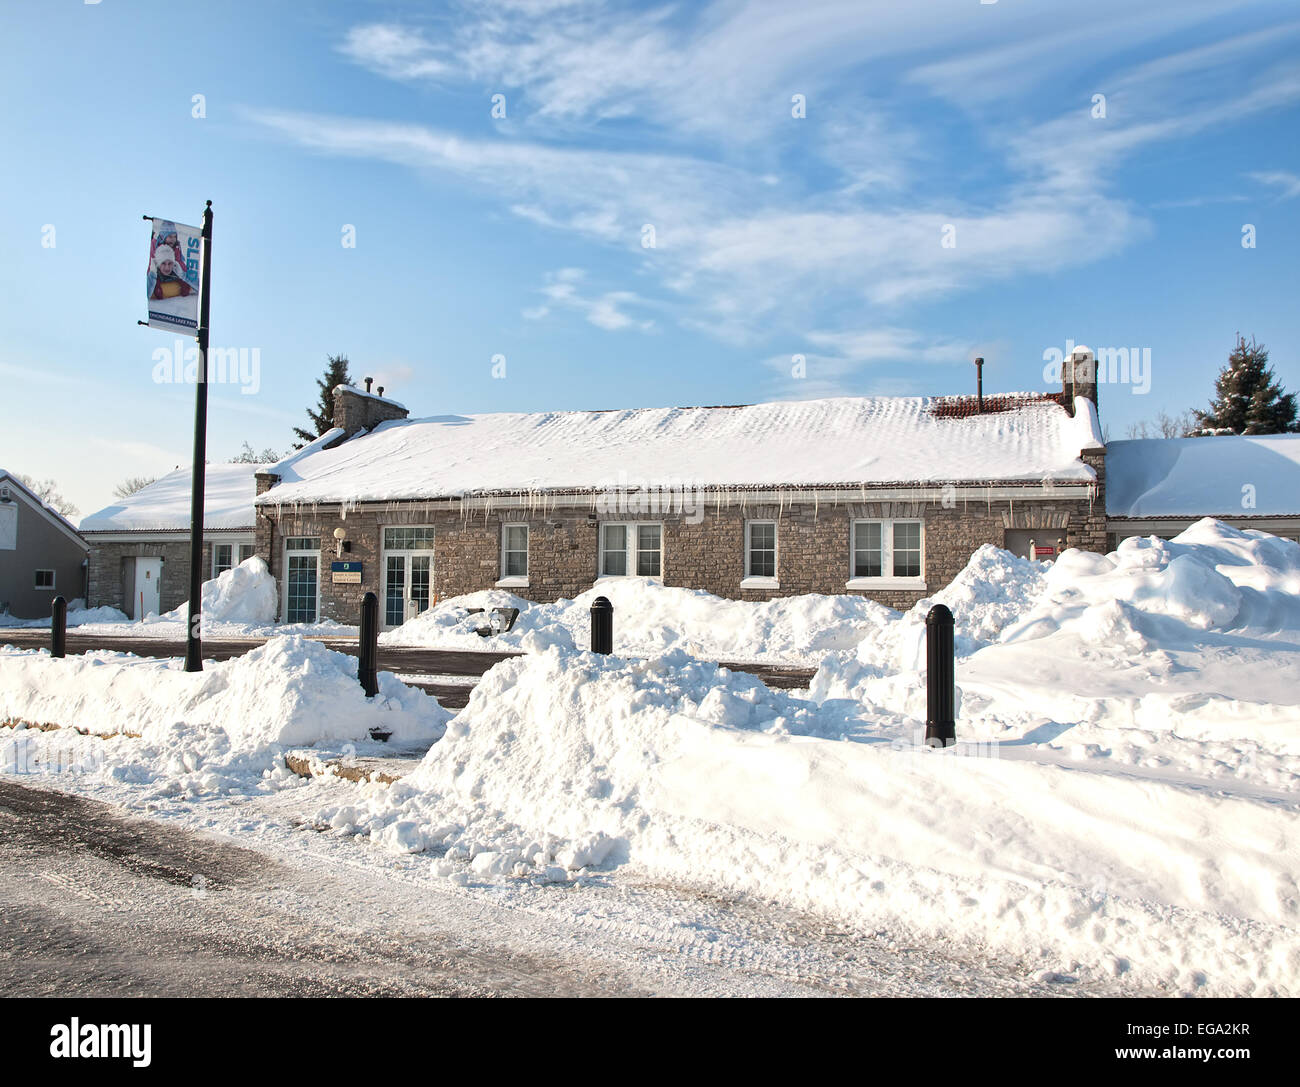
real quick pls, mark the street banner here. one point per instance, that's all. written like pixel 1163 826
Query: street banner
pixel 173 277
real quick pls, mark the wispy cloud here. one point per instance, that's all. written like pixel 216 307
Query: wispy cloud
pixel 839 362
pixel 607 310
pixel 1287 184
pixel 395 52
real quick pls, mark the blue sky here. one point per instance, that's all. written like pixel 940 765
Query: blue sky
pixel 523 236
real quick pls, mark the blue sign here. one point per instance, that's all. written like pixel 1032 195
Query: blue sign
pixel 346 572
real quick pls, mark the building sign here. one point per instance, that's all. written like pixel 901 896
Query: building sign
pixel 345 573
pixel 172 281
pixel 1044 552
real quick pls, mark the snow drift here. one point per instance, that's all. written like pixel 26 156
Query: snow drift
pixel 289 692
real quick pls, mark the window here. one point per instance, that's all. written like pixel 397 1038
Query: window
pixel 514 555
pixel 45 579
pixel 631 548
pixel 884 552
pixel 245 552
pixel 760 554
pixel 221 558
pixel 868 549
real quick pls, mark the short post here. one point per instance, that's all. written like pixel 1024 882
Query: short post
pixel 940 679
pixel 602 626
pixel 368 657
pixel 59 628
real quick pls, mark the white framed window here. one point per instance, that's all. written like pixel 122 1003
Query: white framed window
pixel 44 579
pixel 887 554
pixel 222 558
pixel 633 548
pixel 760 556
pixel 514 556
pixel 246 551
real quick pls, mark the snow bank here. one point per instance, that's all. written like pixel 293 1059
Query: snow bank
pixel 651 618
pixel 564 763
pixel 289 692
pixel 76 617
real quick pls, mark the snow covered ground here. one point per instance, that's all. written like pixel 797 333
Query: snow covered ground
pixel 1122 805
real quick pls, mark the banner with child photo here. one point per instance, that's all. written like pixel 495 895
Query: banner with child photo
pixel 172 282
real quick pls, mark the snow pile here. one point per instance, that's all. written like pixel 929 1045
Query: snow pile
pixel 993 591
pixel 651 618
pixel 77 616
pixel 289 692
pixel 565 763
pixel 243 594
pixel 1211 577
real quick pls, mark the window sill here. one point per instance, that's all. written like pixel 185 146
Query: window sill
pixel 513 582
pixel 760 583
pixel 885 583
pixel 656 578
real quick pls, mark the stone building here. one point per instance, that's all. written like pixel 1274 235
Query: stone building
pixel 140 545
pixel 882 497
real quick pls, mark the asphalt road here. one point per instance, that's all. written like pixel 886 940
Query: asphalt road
pixel 404 660
pixel 94 902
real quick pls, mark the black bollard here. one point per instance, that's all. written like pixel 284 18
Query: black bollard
pixel 940 679
pixel 602 626
pixel 367 665
pixel 59 628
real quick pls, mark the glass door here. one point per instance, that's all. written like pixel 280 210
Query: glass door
pixel 408 572
pixel 301 579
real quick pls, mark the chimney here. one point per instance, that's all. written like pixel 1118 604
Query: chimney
pixel 979 384
pixel 1079 377
pixel 368 381
pixel 381 390
pixel 355 411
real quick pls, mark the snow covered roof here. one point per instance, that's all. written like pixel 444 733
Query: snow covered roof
pixel 1203 477
pixel 846 441
pixel 164 505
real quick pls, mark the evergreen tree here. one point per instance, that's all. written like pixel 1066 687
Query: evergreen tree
pixel 1248 398
pixel 322 416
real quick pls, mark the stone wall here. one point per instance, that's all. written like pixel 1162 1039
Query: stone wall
pixel 813 545
pixel 105 587
pixel 355 410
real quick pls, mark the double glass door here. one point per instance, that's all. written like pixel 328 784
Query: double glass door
pixel 408 572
